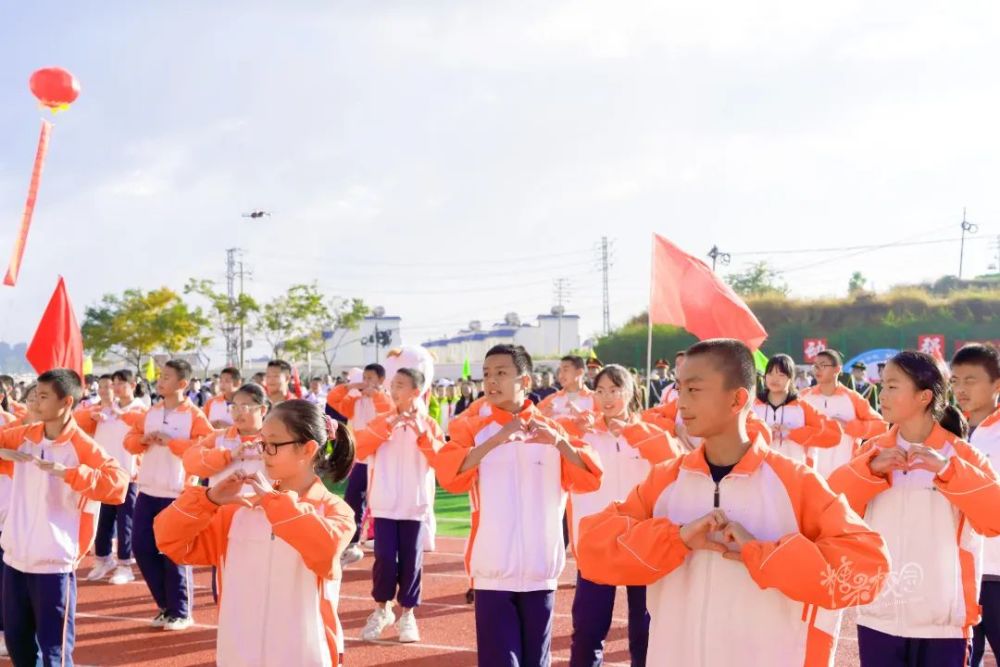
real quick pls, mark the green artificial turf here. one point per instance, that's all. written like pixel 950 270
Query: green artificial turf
pixel 451 510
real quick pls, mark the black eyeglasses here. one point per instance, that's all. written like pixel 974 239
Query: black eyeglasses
pixel 271 448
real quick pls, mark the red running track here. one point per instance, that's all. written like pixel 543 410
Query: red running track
pixel 113 622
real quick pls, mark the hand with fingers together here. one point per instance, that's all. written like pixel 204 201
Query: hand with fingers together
pixel 15 456
pixel 229 491
pixel 735 535
pixel 52 468
pixel 261 487
pixel 887 460
pixel 697 534
pixel 921 457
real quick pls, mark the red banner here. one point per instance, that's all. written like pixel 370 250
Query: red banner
pixel 932 344
pixel 14 268
pixel 811 347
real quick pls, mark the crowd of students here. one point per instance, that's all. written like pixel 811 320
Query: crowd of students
pixel 742 511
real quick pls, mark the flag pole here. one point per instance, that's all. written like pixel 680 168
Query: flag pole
pixel 649 325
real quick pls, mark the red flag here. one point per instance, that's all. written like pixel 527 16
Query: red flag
pixel 57 342
pixel 29 207
pixel 686 293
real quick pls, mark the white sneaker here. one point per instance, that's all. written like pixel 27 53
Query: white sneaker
pixel 123 575
pixel 175 624
pixel 160 620
pixel 351 555
pixel 407 626
pixel 102 569
pixel 3 645
pixel 380 619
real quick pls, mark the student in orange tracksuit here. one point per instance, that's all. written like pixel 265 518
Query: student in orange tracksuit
pixel 518 466
pixel 933 497
pixel 279 549
pixel 628 448
pixel 400 448
pixel 797 429
pixel 217 407
pixel 60 477
pixel 740 547
pixel 237 447
pixel 360 402
pixel 846 406
pixel 574 396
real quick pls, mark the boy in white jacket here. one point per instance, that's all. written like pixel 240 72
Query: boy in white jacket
pixel 401 446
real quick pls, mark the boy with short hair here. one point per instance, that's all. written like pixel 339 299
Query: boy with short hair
pixel 60 477
pixel 518 467
pixel 217 407
pixel 360 402
pixel 574 396
pixel 975 377
pixel 167 430
pixel 400 447
pixel 277 377
pixel 108 423
pixel 734 537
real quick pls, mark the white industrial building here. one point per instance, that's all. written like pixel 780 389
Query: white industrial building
pixel 550 337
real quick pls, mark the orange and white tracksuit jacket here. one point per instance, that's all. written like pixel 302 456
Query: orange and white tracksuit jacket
pixel 667 417
pixel 280 571
pixel 804 429
pixel 162 474
pixel 217 410
pixel 986 438
pixel 214 457
pixel 400 472
pixel 934 526
pixel 6 421
pixel 358 408
pixel 557 405
pixel 669 394
pixel 50 521
pixel 109 430
pixel 774 608
pixel 855 415
pixel 518 495
pixel 626 460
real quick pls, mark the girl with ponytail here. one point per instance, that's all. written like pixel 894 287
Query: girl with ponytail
pixel 932 496
pixel 628 448
pixel 277 546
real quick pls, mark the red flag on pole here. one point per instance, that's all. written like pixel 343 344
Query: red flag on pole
pixel 57 342
pixel 296 383
pixel 686 293
pixel 14 268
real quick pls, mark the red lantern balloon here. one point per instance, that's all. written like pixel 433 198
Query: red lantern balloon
pixel 54 87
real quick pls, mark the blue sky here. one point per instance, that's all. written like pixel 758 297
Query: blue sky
pixel 423 156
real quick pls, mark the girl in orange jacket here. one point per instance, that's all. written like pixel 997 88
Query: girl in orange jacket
pixel 933 497
pixel 797 428
pixel 237 447
pixel 628 449
pixel 278 549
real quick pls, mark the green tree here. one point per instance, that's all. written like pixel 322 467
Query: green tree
pixel 227 316
pixel 857 283
pixel 287 321
pixel 135 324
pixel 759 279
pixel 342 317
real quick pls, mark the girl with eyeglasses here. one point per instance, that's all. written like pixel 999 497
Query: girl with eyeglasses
pixel 279 547
pixel 628 448
pixel 234 448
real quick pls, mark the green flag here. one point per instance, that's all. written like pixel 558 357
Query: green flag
pixel 759 360
pixel 466 369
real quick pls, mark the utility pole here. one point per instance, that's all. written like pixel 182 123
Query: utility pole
pixel 971 228
pixel 719 256
pixel 229 332
pixel 242 273
pixel 561 289
pixel 605 265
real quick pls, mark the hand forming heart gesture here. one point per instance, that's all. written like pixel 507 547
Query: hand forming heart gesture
pixel 698 534
pixel 918 457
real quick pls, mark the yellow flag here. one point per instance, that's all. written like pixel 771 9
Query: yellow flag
pixel 88 365
pixel 150 370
